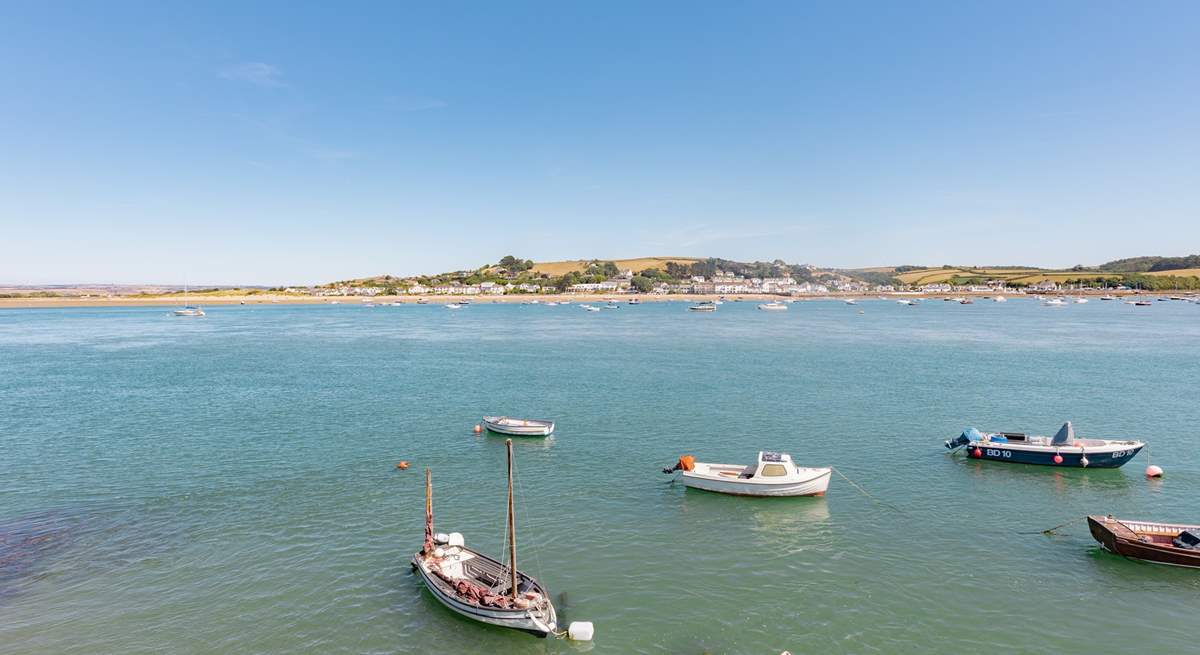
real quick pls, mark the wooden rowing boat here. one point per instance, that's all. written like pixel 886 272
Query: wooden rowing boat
pixel 480 587
pixel 518 427
pixel 1160 543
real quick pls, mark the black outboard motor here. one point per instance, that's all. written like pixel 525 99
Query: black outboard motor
pixel 962 440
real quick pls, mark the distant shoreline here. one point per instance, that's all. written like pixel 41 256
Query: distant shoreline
pixel 293 299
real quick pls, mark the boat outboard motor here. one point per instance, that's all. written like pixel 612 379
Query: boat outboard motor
pixel 967 436
pixel 962 440
pixel 685 463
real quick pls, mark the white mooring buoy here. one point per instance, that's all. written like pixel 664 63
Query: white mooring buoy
pixel 580 631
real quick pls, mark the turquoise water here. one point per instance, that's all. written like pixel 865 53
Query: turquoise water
pixel 227 484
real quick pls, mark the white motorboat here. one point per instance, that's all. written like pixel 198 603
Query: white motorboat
pixel 1054 302
pixel 910 303
pixel 1080 300
pixel 1108 297
pixel 518 427
pixel 453 305
pixel 706 306
pixel 773 306
pixel 480 587
pixel 999 299
pixel 422 301
pixel 635 301
pixel 850 301
pixel 773 474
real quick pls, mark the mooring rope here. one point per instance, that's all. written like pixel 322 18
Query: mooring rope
pixel 1050 532
pixel 865 492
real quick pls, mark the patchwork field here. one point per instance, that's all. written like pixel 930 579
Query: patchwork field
pixel 640 264
pixel 1182 272
pixel 1020 275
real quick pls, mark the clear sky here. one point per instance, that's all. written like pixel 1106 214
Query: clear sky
pixel 251 142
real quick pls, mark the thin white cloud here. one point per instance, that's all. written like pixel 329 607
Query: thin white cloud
pixel 254 72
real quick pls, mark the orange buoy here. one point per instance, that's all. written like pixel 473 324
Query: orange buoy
pixel 1154 471
pixel 478 428
pixel 403 464
pixel 1058 458
pixel 977 453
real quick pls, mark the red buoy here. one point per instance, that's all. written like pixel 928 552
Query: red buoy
pixel 1154 471
pixel 478 428
pixel 403 464
pixel 1057 458
pixel 977 453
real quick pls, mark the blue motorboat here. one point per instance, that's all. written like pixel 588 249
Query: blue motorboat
pixel 1063 449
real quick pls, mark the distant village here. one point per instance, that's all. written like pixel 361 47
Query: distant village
pixel 623 283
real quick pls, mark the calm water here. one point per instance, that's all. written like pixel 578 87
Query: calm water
pixel 227 484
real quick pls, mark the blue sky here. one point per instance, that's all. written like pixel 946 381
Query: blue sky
pixel 276 143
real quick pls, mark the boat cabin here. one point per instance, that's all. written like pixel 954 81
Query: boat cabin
pixel 771 465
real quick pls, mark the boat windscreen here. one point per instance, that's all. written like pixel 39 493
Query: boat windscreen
pixel 1065 435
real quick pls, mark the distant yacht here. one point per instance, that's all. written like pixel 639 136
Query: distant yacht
pixel 773 306
pixel 850 301
pixel 999 299
pixel 706 306
pixel 1053 302
pixel 187 309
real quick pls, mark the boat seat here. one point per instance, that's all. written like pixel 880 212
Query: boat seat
pixel 1187 539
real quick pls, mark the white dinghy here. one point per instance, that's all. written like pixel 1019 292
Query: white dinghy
pixel 519 427
pixel 774 474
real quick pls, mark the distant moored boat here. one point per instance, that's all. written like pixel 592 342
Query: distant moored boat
pixel 519 427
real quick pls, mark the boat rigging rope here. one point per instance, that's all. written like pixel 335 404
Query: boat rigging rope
pixel 865 492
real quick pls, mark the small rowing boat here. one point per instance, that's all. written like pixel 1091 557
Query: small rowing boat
pixel 477 586
pixel 518 427
pixel 773 474
pixel 1160 543
pixel 1063 449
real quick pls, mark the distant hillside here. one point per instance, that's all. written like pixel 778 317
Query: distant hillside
pixel 636 265
pixel 1152 264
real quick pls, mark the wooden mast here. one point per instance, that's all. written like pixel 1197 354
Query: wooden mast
pixel 428 512
pixel 512 522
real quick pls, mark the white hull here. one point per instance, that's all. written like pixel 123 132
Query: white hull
pixel 518 427
pixel 809 482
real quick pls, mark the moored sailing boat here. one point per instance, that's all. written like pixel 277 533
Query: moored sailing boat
pixel 187 309
pixel 477 586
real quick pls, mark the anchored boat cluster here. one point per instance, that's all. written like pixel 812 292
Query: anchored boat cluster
pixel 488 590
